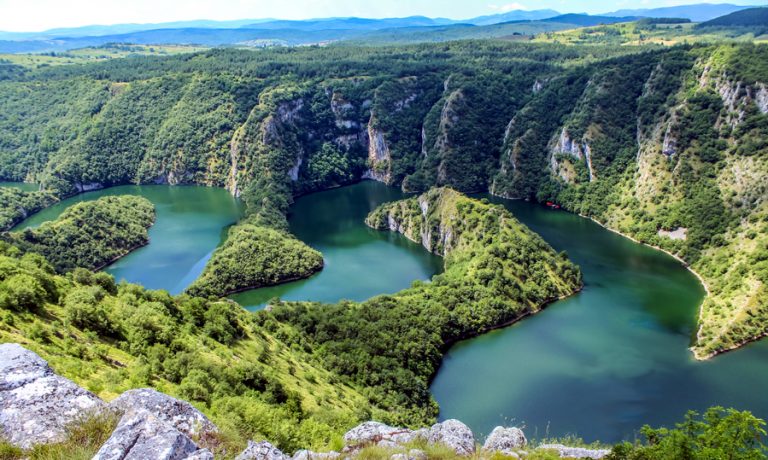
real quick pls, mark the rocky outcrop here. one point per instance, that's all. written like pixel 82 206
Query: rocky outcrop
pixel 375 433
pixel 454 434
pixel 379 157
pixel 36 405
pixel 180 414
pixel 505 440
pixel 579 150
pixel 431 224
pixel 261 451
pixel 141 435
pixel 309 455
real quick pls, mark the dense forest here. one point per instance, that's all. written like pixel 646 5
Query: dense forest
pixel 648 141
pixel 16 205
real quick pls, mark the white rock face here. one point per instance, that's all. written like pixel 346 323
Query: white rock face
pixel 179 414
pixel 453 434
pixel 575 452
pixel 261 451
pixel 679 233
pixel 761 99
pixel 202 454
pixel 36 405
pixel 140 435
pixel 505 440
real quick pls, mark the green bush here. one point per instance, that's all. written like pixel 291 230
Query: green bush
pixel 718 434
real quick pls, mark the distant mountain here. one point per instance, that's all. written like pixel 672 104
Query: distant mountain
pixel 516 15
pixel 102 30
pixel 747 18
pixel 586 20
pixel 697 12
pixel 351 23
pixel 196 36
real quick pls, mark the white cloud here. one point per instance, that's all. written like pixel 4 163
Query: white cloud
pixel 508 7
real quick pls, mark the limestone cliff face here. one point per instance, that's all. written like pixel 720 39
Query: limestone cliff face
pixel 429 220
pixel 266 142
pixel 379 156
pixel 391 134
pixel 566 151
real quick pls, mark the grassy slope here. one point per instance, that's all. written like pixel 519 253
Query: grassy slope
pixel 322 407
pixel 94 54
pixel 643 34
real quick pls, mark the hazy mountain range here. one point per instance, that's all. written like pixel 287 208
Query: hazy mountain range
pixel 261 32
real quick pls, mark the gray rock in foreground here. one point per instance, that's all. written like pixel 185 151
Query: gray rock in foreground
pixel 140 435
pixel 36 405
pixel 505 440
pixel 261 451
pixel 454 434
pixel 370 433
pixel 180 414
pixel 575 452
pixel 309 455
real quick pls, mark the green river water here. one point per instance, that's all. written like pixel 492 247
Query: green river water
pixel 190 223
pixel 599 364
pixel 605 361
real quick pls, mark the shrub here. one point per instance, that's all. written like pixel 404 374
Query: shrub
pixel 21 292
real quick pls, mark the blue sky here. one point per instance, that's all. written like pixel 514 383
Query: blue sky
pixel 35 15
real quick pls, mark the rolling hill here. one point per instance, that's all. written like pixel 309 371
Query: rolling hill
pixel 745 18
pixel 698 12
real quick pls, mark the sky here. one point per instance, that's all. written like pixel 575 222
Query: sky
pixel 38 15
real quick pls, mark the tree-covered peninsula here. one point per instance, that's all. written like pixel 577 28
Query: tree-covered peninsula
pixel 90 234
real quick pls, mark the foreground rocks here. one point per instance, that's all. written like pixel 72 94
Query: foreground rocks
pixel 180 414
pixel 453 434
pixel 505 440
pixel 36 405
pixel 142 435
pixel 261 451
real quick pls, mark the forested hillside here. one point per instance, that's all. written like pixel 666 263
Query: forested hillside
pixel 300 374
pixel 667 145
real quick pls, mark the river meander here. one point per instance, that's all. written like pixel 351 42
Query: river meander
pixel 605 361
pixel 599 364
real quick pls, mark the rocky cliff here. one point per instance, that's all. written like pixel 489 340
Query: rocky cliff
pixel 38 407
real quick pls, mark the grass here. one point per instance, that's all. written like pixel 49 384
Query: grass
pixel 443 452
pixel 638 34
pixel 94 54
pixel 83 440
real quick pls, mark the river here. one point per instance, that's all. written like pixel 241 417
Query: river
pixel 190 223
pixel 605 361
pixel 598 365
pixel 359 262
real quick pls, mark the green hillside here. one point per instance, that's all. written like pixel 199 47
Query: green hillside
pixel 644 140
pixel 751 17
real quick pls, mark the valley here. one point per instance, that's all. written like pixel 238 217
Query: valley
pixel 557 222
